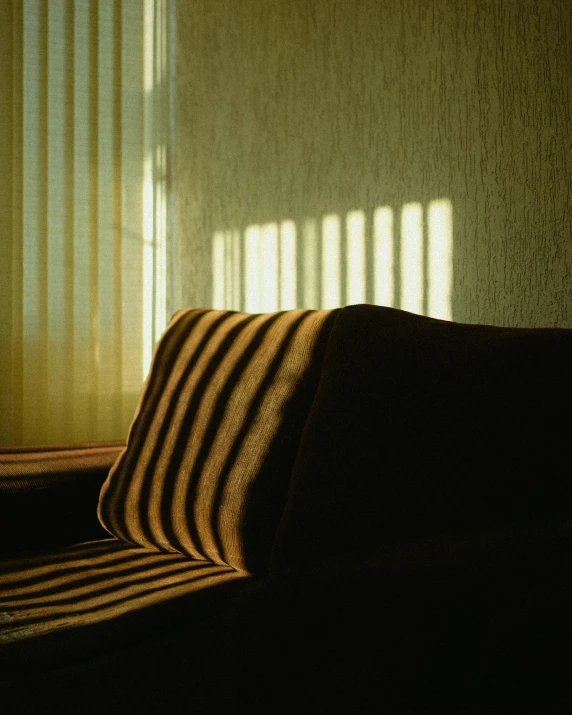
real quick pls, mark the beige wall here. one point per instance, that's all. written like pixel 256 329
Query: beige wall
pixel 294 109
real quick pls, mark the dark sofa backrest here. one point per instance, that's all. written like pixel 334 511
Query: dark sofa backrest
pixel 211 448
pixel 422 427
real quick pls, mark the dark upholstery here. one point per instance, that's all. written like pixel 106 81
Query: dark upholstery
pixel 423 427
pixel 47 495
pixel 351 511
pixel 478 623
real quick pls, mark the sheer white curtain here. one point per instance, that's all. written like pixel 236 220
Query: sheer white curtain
pixel 83 213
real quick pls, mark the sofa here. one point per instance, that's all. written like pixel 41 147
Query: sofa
pixel 349 510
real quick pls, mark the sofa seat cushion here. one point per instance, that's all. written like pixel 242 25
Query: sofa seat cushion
pixel 475 623
pixel 95 597
pixel 210 452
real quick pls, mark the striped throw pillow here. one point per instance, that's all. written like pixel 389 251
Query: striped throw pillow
pixel 210 451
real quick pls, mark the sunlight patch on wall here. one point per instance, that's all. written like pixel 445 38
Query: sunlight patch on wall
pixel 287 265
pixel 383 256
pixel 268 268
pixel 440 234
pixel 310 274
pixel 397 256
pixel 412 255
pixel 253 301
pixel 355 244
pixel 219 269
pixel 331 268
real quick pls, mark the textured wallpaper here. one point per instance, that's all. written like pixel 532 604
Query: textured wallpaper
pixel 415 153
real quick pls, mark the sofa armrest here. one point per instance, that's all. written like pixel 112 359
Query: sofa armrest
pixel 48 495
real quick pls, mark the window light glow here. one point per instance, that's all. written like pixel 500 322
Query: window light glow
pixel 148 42
pixel 88 179
pixel 148 261
pixel 155 170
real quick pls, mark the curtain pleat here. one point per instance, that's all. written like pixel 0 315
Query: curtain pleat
pixel 84 223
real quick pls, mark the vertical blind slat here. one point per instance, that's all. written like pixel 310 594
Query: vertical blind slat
pixel 117 220
pixel 93 220
pixel 69 211
pixel 105 218
pixel 56 132
pixel 83 372
pixel 132 100
pixel 35 357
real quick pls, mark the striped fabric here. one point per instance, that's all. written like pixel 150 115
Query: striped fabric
pixel 88 584
pixel 32 468
pixel 210 452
